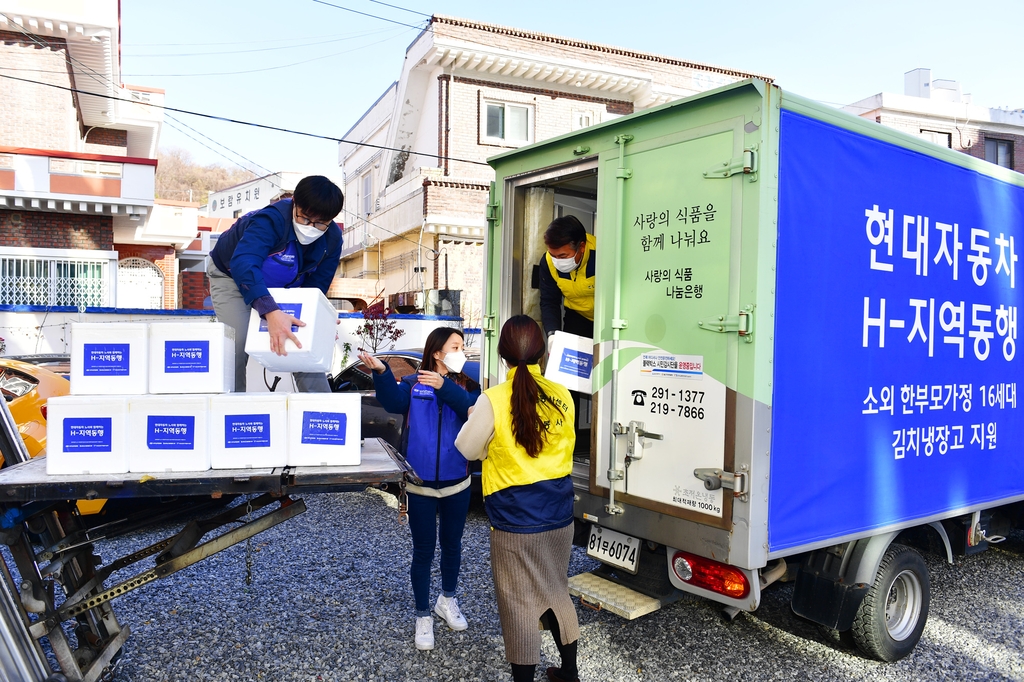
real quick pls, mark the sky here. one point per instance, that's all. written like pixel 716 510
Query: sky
pixel 304 65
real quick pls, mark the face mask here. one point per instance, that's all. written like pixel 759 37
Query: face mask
pixel 455 361
pixel 565 265
pixel 307 234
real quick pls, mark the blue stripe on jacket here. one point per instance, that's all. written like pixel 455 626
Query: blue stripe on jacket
pixel 534 508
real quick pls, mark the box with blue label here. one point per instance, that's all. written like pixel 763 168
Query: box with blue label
pixel 323 429
pixel 109 358
pixel 168 433
pixel 86 435
pixel 316 337
pixel 571 362
pixel 191 357
pixel 249 431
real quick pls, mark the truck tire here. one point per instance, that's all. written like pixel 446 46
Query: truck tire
pixel 891 618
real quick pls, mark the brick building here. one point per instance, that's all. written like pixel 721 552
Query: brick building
pixel 938 111
pixel 78 221
pixel 468 91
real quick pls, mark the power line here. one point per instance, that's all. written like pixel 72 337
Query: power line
pixel 238 42
pixel 249 123
pixel 269 68
pixel 366 14
pixel 404 9
pixel 260 49
pixel 218 143
pixel 215 151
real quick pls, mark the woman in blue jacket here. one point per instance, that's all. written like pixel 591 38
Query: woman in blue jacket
pixel 436 403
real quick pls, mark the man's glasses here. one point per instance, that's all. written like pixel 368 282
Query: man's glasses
pixel 302 220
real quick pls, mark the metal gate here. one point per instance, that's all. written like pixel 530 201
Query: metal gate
pixel 140 284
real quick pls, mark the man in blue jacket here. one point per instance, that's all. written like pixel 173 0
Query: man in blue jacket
pixel 291 243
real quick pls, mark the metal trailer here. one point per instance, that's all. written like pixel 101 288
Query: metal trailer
pixel 804 358
pixel 62 584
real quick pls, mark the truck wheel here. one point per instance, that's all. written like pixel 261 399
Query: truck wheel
pixel 890 620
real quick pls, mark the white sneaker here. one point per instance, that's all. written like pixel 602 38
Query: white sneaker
pixel 448 609
pixel 425 633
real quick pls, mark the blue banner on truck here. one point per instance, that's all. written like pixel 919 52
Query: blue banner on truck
pixel 896 374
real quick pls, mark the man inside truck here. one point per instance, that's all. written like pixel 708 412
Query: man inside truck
pixel 567 278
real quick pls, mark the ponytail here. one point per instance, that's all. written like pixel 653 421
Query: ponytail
pixel 522 344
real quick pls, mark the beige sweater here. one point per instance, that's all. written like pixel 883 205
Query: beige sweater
pixel 478 431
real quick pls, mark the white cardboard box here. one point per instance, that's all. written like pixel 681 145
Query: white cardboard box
pixel 109 358
pixel 189 357
pixel 168 433
pixel 323 429
pixel 571 362
pixel 249 431
pixel 317 337
pixel 86 435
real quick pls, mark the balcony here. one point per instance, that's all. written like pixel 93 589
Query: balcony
pixel 72 182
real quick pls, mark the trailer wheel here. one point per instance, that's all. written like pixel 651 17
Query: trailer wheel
pixel 891 618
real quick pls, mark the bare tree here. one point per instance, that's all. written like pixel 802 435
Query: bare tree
pixel 180 178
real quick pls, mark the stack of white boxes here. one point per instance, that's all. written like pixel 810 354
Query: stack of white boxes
pixel 116 421
pixel 156 397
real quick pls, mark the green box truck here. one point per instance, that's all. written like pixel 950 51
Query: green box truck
pixel 804 353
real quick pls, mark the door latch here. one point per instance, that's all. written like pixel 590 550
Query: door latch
pixel 632 432
pixel 742 324
pixel 745 164
pixel 715 479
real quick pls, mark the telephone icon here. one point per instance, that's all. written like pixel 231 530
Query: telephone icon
pixel 638 398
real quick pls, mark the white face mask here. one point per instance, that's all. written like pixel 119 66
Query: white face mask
pixel 307 234
pixel 565 265
pixel 455 361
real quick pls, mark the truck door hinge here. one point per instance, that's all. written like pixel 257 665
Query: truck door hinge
pixel 494 212
pixel 742 324
pixel 715 479
pixel 488 323
pixel 746 164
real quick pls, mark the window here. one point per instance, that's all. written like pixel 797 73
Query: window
pixel 91 168
pixel 236 214
pixel 936 137
pixel 583 119
pixel 367 194
pixel 507 123
pixel 999 152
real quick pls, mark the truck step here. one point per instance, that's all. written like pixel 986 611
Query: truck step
pixel 595 591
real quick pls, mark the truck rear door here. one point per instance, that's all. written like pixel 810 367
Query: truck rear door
pixel 668 241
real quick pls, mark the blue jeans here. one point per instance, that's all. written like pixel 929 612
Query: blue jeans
pixel 424 513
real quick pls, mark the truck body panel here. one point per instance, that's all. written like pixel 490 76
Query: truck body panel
pixel 763 374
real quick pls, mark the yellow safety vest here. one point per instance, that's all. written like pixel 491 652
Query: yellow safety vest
pixel 577 289
pixel 507 463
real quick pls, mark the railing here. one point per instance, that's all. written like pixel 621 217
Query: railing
pixel 38 279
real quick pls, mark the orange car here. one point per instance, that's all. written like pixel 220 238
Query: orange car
pixel 26 387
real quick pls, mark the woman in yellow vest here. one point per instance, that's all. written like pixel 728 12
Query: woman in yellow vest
pixel 523 431
pixel 567 277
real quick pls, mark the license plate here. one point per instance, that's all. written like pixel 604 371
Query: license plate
pixel 611 547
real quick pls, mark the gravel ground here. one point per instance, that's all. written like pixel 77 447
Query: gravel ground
pixel 330 600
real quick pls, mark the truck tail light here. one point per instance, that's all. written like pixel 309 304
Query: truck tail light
pixel 43 410
pixel 710 575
